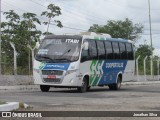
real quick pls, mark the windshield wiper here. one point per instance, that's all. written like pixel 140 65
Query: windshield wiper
pixel 65 59
pixel 64 53
pixel 46 57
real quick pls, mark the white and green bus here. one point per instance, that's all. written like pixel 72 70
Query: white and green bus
pixel 82 61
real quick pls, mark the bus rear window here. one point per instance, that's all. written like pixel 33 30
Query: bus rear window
pixel 129 51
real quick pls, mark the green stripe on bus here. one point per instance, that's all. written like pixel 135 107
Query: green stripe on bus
pixel 92 71
pixel 96 80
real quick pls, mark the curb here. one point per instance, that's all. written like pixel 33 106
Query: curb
pixel 141 83
pixel 9 106
pixel 20 87
pixel 36 87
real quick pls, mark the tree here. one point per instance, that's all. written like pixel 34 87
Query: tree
pixel 52 12
pixel 143 51
pixel 21 31
pixel 31 34
pixel 119 29
pixel 29 27
pixel 9 31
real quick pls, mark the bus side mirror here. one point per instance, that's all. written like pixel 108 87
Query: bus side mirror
pixel 37 45
pixel 85 46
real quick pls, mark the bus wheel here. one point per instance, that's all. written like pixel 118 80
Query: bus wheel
pixel 116 86
pixel 111 87
pixel 44 88
pixel 84 86
pixel 88 88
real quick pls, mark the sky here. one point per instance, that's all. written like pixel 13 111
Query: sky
pixel 78 15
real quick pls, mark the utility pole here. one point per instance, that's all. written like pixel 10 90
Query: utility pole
pixel 150 35
pixel 150 23
pixel 0 43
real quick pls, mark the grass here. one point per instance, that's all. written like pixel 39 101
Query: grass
pixel 2 102
pixel 21 105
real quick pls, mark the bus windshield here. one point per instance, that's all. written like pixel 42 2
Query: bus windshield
pixel 59 50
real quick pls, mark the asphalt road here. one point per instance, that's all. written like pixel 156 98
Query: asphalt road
pixel 129 98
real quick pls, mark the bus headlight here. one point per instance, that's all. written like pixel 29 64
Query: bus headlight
pixel 70 71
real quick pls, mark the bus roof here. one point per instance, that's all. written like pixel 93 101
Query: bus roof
pixel 63 37
pixel 119 40
pixel 89 35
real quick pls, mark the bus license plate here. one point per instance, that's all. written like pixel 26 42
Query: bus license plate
pixel 51 76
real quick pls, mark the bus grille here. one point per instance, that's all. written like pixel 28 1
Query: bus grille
pixel 57 80
pixel 52 72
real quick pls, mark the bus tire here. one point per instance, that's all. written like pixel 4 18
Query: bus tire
pixel 117 85
pixel 84 86
pixel 88 88
pixel 44 88
pixel 111 87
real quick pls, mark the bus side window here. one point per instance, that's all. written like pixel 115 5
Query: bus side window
pixel 109 50
pixel 101 50
pixel 116 50
pixel 129 51
pixel 92 50
pixel 123 51
pixel 84 55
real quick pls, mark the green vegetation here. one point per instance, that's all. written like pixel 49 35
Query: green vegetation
pixel 120 29
pixel 21 105
pixel 22 31
pixel 52 11
pixel 2 102
pixel 143 51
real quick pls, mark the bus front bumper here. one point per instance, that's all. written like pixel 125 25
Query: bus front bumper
pixel 69 80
